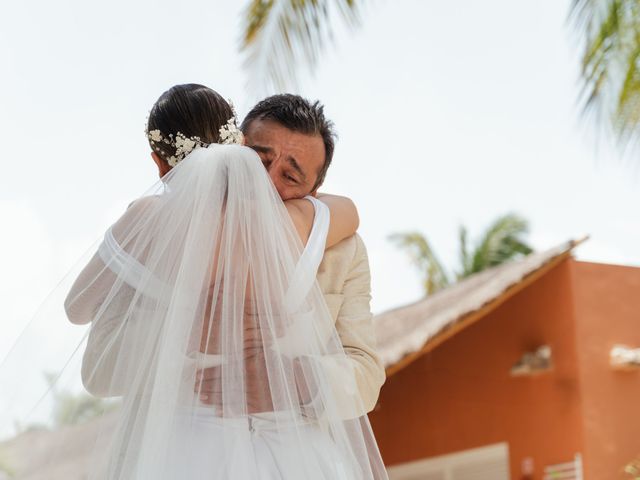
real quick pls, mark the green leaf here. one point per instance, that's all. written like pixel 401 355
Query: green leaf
pixel 502 241
pixel 424 258
pixel 611 52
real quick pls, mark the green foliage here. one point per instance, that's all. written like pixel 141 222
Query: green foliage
pixel 278 36
pixel 610 62
pixel 422 255
pixel 501 242
pixel 70 408
pixel 6 468
pixel 75 408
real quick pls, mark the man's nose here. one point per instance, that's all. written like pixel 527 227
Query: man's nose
pixel 272 170
pixel 273 166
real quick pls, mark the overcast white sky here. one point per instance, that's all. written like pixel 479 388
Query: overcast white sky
pixel 448 113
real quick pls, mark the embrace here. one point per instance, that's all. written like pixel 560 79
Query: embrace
pixel 229 308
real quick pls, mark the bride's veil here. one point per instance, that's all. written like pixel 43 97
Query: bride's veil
pixel 203 270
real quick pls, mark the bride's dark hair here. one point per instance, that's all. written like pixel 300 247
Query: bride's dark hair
pixel 191 109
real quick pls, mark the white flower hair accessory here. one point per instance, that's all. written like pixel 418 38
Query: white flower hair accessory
pixel 230 133
pixel 183 145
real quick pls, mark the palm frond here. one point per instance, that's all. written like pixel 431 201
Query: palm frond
pixel 628 111
pixel 424 258
pixel 282 36
pixel 501 242
pixel 465 258
pixel 610 77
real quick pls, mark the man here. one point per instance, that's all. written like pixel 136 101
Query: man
pixel 296 142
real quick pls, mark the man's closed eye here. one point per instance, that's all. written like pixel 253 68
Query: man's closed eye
pixel 290 178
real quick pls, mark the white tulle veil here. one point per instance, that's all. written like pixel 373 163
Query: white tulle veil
pixel 205 269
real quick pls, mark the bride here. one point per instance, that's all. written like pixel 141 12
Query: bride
pixel 213 269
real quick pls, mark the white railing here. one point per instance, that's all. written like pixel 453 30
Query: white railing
pixel 565 471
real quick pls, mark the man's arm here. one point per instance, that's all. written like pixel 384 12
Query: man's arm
pixel 355 328
pixel 356 378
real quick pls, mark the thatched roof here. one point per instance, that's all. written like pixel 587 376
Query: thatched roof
pixel 407 332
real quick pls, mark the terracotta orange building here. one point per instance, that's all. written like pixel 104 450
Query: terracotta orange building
pixel 526 371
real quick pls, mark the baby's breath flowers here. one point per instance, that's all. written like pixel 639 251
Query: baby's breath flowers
pixel 183 145
pixel 230 133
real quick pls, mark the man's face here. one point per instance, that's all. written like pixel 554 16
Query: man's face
pixel 292 159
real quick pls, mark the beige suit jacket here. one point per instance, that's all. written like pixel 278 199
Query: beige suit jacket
pixel 345 281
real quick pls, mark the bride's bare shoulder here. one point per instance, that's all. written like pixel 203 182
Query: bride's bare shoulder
pixel 136 210
pixel 144 201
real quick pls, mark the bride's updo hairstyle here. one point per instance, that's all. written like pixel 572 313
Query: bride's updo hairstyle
pixel 185 113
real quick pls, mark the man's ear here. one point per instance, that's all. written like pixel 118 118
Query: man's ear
pixel 314 192
pixel 163 167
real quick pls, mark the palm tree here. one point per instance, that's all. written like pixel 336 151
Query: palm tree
pixel 280 36
pixel 435 277
pixel 500 243
pixel 610 62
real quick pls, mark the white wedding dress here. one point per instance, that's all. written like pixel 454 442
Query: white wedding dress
pixel 260 443
pixel 182 281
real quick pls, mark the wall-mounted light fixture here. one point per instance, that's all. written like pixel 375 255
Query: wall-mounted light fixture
pixel 533 363
pixel 622 357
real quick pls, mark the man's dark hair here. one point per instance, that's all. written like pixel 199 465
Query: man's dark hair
pixel 298 115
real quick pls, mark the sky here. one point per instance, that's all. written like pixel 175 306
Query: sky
pixel 448 113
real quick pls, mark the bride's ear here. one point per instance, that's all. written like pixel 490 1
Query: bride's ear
pixel 163 167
